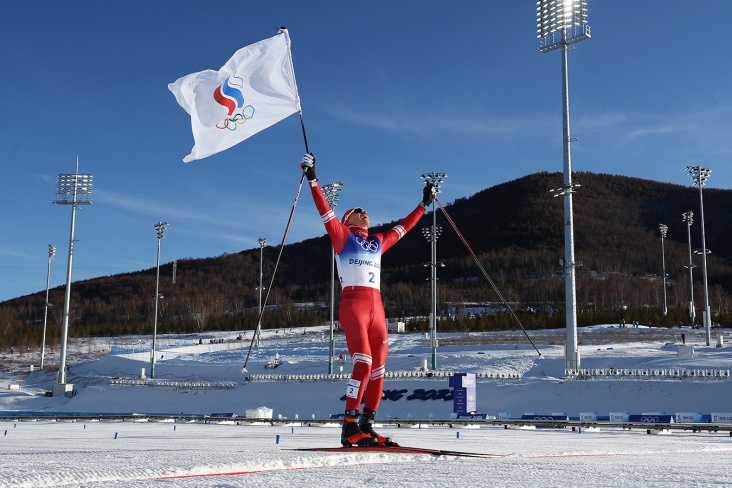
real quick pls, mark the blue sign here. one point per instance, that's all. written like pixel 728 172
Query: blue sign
pixel 463 393
pixel 649 418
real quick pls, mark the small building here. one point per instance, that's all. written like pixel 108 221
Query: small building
pixel 395 327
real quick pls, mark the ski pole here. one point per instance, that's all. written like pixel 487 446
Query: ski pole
pixel 274 272
pixel 282 246
pixel 485 273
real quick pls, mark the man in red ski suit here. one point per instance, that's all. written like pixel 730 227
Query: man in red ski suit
pixel 361 311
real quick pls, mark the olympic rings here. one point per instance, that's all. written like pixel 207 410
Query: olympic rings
pixel 369 245
pixel 649 420
pixel 232 123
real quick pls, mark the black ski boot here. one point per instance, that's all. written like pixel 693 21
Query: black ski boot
pixel 351 434
pixel 366 425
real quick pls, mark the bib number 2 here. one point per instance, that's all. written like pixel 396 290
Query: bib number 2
pixel 352 388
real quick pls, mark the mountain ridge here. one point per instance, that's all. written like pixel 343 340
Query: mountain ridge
pixel 515 228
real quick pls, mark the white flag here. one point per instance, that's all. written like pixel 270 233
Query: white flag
pixel 255 89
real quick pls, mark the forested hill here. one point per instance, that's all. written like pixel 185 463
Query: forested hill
pixel 516 229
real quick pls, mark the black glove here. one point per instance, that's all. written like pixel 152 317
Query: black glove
pixel 428 194
pixel 308 166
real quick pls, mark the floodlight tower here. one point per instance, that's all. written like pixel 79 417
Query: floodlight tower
pixel 262 241
pixel 664 232
pixel 699 176
pixel 560 24
pixel 51 254
pixel 432 233
pixel 71 189
pixel 436 180
pixel 160 230
pixel 331 191
pixel 688 217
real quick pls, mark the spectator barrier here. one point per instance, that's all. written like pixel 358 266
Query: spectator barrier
pixel 675 374
pixel 419 375
pixel 172 383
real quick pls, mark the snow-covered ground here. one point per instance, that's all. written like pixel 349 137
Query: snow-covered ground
pixel 192 455
pixel 631 370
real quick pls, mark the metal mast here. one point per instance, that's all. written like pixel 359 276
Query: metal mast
pixel 561 23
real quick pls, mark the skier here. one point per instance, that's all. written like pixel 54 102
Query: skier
pixel 361 311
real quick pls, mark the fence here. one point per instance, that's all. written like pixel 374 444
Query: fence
pixel 417 375
pixel 649 374
pixel 185 384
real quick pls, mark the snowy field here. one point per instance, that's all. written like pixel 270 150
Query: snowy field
pixel 184 450
pixel 101 454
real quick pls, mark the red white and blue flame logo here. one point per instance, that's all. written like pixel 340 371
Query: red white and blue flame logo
pixel 230 96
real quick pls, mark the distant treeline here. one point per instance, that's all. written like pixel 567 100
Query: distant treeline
pixel 517 231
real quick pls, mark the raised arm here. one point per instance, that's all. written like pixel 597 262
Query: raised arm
pixel 392 236
pixel 337 232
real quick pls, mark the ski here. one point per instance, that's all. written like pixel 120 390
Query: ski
pixel 404 450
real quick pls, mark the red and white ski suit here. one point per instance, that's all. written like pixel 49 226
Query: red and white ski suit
pixel 361 311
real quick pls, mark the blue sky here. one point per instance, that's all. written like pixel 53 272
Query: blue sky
pixel 389 90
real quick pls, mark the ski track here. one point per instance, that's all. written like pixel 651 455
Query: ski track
pixel 155 454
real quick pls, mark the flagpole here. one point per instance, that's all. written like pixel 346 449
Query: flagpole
pixel 283 30
pixel 304 136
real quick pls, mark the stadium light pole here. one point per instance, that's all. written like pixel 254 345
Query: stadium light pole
pixel 160 230
pixel 262 241
pixel 71 189
pixel 436 180
pixel 432 233
pixel 560 24
pixel 688 217
pixel 664 232
pixel 699 176
pixel 331 191
pixel 51 254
